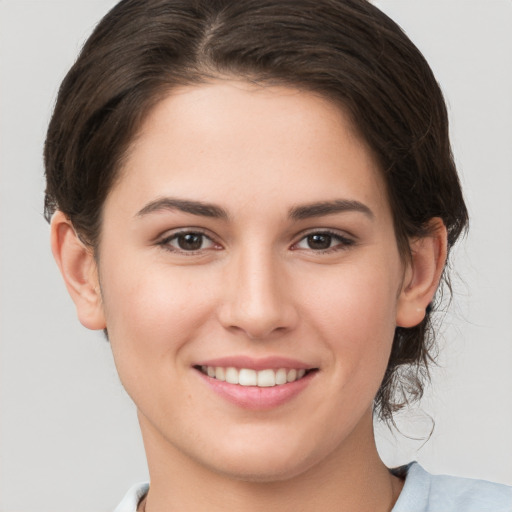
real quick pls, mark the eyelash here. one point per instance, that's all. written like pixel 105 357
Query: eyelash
pixel 165 243
pixel 343 242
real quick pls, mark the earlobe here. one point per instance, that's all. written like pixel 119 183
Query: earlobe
pixel 79 271
pixel 422 275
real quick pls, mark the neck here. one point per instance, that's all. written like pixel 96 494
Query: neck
pixel 351 478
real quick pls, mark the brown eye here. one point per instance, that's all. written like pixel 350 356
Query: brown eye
pixel 187 241
pixel 190 241
pixel 319 241
pixel 324 241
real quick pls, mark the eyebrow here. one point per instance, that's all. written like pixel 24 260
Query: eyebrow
pixel 184 205
pixel 328 208
pixel 307 211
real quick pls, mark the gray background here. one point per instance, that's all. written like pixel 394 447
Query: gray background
pixel 69 438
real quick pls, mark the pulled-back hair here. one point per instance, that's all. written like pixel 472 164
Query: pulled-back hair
pixel 345 50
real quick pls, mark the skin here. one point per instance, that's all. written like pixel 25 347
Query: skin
pixel 256 288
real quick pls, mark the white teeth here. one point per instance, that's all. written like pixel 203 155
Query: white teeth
pixel 291 375
pixel 232 375
pixel 266 378
pixel 248 377
pixel 281 376
pixel 220 374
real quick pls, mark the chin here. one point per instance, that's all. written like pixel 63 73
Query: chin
pixel 267 471
pixel 264 462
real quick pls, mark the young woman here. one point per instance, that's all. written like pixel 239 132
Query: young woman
pixel 255 200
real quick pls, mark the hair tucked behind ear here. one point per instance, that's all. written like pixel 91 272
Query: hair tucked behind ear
pixel 345 50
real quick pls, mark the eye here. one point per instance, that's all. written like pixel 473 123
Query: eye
pixel 188 241
pixel 322 241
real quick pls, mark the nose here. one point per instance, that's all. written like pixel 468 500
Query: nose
pixel 257 298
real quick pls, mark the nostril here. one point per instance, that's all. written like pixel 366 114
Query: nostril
pixel 255 299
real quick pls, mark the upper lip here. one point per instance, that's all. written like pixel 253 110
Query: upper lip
pixel 270 362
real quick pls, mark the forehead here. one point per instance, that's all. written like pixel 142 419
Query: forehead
pixel 226 139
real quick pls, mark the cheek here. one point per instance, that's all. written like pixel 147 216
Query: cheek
pixel 355 315
pixel 151 313
pixel 354 299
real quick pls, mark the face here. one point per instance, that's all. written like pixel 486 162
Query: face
pixel 249 239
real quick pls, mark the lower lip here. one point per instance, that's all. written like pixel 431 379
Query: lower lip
pixel 254 397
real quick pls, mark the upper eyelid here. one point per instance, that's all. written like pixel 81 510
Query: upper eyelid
pixel 329 231
pixel 170 234
pixel 167 237
pixel 345 239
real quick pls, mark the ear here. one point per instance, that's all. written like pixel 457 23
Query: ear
pixel 78 268
pixel 422 274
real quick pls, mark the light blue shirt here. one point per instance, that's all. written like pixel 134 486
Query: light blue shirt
pixel 422 492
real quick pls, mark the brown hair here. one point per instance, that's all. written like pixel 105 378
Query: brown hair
pixel 345 50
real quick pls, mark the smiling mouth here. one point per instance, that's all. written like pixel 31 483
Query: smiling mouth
pixel 249 377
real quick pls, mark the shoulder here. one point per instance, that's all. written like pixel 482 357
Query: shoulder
pixel 424 492
pixel 132 498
